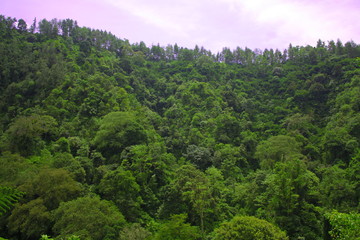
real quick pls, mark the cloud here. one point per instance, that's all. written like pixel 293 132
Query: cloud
pixel 301 21
pixel 166 15
pixel 213 24
pixel 188 22
pixel 255 23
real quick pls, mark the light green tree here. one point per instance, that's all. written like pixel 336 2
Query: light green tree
pixel 344 226
pixel 248 228
pixel 135 232
pixel 277 149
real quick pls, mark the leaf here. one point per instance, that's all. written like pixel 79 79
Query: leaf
pixel 8 196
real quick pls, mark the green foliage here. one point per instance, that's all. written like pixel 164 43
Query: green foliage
pixel 8 196
pixel 344 225
pixel 291 192
pixel 120 187
pixel 151 166
pixel 230 160
pixel 27 135
pixel 117 131
pixel 134 232
pixel 194 189
pixel 53 186
pixel 46 237
pixel 248 228
pixel 13 169
pixel 71 164
pixel 30 220
pixel 172 136
pixel 89 218
pixel 277 149
pixel 199 156
pixel 337 191
pixel 176 228
pixel 61 145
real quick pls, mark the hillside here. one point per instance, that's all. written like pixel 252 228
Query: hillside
pixel 101 138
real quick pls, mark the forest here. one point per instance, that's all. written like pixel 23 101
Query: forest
pixel 101 138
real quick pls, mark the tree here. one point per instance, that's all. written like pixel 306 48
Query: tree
pixel 117 131
pixel 120 187
pixel 28 134
pixel 194 188
pixel 46 237
pixel 177 229
pixel 49 28
pixel 33 26
pixel 44 192
pixel 13 169
pixel 68 162
pixel 228 129
pixel 289 199
pixel 337 145
pixel 277 149
pixel 22 26
pixel 336 191
pixel 230 160
pixel 45 27
pixel 339 48
pixel 67 27
pixel 134 232
pixel 344 225
pixel 151 166
pixel 89 218
pixel 248 228
pixel 53 186
pixel 199 156
pixel 30 220
pixel 300 124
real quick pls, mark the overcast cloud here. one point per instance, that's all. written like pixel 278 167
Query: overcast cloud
pixel 213 24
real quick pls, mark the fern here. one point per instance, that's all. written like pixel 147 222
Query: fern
pixel 8 196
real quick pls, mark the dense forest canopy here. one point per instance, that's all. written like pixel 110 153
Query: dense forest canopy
pixel 101 138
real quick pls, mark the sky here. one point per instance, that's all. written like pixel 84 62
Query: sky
pixel 213 24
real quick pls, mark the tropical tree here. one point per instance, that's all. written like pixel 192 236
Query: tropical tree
pixel 89 218
pixel 117 131
pixel 177 229
pixel 120 187
pixel 248 228
pixel 344 225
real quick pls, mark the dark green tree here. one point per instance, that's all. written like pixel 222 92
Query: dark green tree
pixel 30 220
pixel 29 134
pixel 120 187
pixel 22 26
pixel 117 131
pixel 89 218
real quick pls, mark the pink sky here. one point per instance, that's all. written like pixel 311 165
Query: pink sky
pixel 213 24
